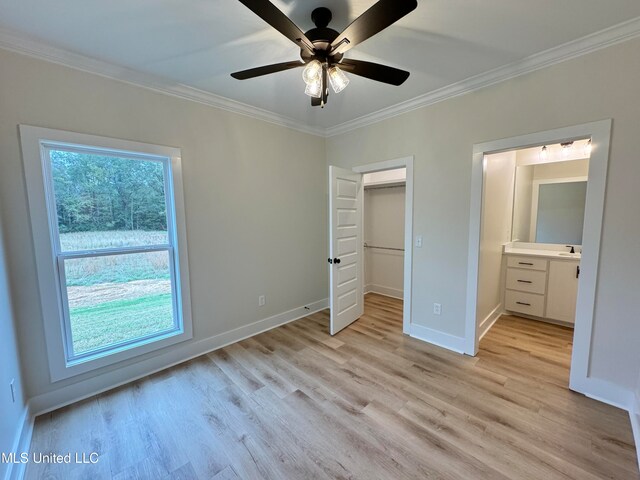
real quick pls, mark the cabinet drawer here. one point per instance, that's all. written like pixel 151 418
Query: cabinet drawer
pixel 528 263
pixel 521 302
pixel 532 281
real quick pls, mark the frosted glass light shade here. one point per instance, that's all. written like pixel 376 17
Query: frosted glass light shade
pixel 314 89
pixel 337 79
pixel 588 148
pixel 312 72
pixel 544 153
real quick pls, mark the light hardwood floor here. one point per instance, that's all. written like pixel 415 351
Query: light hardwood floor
pixel 369 403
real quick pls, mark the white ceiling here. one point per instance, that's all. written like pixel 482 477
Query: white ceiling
pixel 200 42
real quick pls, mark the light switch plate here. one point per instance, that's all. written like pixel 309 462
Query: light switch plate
pixel 419 241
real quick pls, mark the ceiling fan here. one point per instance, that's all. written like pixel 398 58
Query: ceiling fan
pixel 322 49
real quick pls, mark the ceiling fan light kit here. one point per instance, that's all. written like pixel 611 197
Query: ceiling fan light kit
pixel 322 49
pixel 337 79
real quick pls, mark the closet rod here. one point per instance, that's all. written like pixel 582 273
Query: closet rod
pixel 384 248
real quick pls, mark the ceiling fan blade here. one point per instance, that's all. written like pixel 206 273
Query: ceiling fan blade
pixel 377 18
pixel 278 20
pixel 375 71
pixel 266 70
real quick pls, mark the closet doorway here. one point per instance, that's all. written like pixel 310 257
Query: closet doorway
pixel 346 241
pixel 388 192
pixel 383 225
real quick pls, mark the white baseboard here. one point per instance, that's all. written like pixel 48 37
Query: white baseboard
pixel 441 339
pixel 386 291
pixel 177 354
pixel 490 320
pixel 22 443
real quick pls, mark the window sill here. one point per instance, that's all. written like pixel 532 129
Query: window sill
pixel 103 359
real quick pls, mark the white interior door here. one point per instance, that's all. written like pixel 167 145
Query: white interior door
pixel 346 292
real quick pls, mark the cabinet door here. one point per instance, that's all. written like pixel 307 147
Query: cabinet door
pixel 562 291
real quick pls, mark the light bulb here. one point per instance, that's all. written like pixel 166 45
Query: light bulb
pixel 587 149
pixel 544 154
pixel 314 89
pixel 312 72
pixel 337 79
pixel 566 148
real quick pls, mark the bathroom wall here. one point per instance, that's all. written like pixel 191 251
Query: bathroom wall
pixel 522 204
pixel 570 169
pixel 384 227
pixel 499 175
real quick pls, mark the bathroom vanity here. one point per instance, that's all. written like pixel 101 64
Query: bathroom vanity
pixel 541 281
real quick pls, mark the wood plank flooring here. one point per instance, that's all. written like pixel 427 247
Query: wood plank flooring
pixel 369 403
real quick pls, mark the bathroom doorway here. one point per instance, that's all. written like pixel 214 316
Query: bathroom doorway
pixel 533 209
pixel 529 268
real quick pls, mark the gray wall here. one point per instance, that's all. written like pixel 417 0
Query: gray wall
pixel 601 85
pixel 256 193
pixel 255 197
pixel 10 412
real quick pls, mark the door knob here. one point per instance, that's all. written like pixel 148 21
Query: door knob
pixel 336 261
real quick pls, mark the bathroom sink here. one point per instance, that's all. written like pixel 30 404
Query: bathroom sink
pixel 567 254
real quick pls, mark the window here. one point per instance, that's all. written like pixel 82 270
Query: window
pixel 106 228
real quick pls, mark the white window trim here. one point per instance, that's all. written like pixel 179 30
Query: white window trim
pixel 34 141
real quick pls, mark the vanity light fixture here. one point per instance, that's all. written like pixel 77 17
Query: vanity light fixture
pixel 544 154
pixel 566 148
pixel 587 149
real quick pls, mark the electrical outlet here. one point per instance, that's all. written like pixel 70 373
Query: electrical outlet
pixel 12 386
pixel 419 241
pixel 437 309
pixel 262 300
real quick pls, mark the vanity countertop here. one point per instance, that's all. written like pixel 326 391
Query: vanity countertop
pixel 532 252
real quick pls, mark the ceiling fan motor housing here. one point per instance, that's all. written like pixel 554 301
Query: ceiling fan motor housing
pixel 321 37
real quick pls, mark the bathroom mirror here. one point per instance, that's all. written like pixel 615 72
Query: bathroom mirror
pixel 549 203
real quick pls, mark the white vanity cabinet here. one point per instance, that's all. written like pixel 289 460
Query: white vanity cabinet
pixel 562 290
pixel 542 287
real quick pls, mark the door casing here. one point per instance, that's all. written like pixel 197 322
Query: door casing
pixel 600 134
pixel 405 162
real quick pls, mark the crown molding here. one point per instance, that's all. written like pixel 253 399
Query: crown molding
pixel 576 48
pixel 19 43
